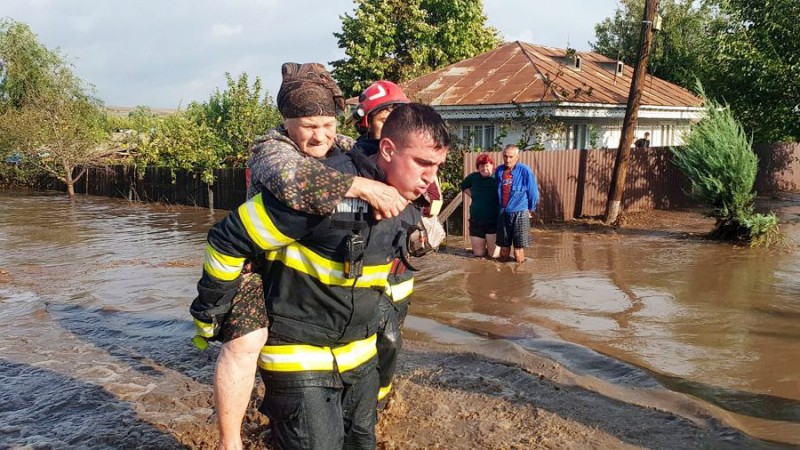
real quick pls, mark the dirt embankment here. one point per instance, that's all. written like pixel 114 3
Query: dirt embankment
pixel 449 398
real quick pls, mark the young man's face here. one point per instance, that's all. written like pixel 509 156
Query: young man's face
pixel 510 157
pixel 314 135
pixel 411 166
pixel 376 122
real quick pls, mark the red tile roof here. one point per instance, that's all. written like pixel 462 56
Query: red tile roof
pixel 516 72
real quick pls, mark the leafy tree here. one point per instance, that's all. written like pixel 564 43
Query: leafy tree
pixel 237 115
pixel 680 49
pixel 744 51
pixel 47 113
pixel 451 173
pixel 720 163
pixel 178 141
pixel 207 135
pixel 400 39
pixel 755 66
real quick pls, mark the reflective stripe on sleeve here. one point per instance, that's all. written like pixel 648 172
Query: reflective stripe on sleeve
pixel 259 226
pixel 204 329
pixel 298 358
pixel 220 266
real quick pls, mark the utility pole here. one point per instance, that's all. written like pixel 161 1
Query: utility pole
pixel 617 189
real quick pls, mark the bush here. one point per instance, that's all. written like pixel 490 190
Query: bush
pixel 720 163
pixel 451 173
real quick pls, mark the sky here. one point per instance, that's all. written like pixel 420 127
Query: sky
pixel 166 54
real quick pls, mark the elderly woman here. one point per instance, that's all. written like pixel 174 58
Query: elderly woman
pixel 481 186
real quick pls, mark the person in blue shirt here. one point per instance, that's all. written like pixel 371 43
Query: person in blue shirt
pixel 518 193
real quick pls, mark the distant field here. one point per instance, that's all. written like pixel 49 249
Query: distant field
pixel 123 111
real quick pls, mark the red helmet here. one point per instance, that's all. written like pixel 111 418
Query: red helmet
pixel 379 95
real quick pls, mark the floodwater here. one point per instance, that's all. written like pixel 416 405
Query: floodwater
pixel 95 338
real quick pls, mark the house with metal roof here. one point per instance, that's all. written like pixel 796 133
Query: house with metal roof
pixel 551 98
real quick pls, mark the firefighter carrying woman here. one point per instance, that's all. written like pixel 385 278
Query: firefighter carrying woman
pixel 306 226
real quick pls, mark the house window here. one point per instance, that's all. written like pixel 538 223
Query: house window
pixel 478 136
pixel 578 137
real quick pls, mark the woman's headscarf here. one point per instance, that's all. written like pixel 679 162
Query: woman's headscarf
pixel 308 90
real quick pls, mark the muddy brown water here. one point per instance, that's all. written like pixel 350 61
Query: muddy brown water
pixel 94 329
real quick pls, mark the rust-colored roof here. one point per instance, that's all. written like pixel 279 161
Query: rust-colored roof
pixel 516 72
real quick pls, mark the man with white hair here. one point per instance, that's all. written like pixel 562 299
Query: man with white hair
pixel 518 193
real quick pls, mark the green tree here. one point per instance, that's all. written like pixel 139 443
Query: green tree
pixel 237 115
pixel 398 40
pixel 745 52
pixel 178 141
pixel 720 163
pixel 755 66
pixel 680 50
pixel 451 173
pixel 206 135
pixel 47 114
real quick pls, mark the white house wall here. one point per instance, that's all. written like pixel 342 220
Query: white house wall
pixel 662 133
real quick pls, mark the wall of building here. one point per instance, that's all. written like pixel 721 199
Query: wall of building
pixel 579 133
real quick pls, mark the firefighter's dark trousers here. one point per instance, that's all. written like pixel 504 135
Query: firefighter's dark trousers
pixel 390 341
pixel 322 410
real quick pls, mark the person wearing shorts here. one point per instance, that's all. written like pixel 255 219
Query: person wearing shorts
pixel 518 193
pixel 481 186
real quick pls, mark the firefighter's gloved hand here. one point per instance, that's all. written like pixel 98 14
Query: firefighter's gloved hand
pixel 204 332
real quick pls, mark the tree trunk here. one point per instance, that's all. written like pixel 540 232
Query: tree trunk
pixel 69 181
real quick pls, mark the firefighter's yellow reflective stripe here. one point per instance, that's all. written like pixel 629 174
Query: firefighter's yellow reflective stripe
pixel 401 291
pixel 305 260
pixel 355 353
pixel 295 358
pixel 220 266
pixel 384 391
pixel 259 226
pixel 204 329
pixel 298 358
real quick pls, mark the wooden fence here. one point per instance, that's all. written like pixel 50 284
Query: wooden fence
pixel 572 183
pixel 159 184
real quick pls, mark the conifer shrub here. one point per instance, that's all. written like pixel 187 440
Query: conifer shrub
pixel 719 161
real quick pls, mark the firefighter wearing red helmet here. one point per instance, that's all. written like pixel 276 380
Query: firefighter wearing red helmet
pixel 374 106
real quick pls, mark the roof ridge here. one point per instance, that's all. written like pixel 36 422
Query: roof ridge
pixel 542 77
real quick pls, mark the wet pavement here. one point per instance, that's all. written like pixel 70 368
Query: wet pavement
pixel 95 336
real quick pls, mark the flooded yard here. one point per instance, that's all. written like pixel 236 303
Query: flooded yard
pixel 95 332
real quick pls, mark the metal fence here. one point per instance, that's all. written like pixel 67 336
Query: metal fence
pixel 575 183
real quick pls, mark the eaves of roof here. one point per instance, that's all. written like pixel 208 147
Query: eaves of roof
pixel 569 110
